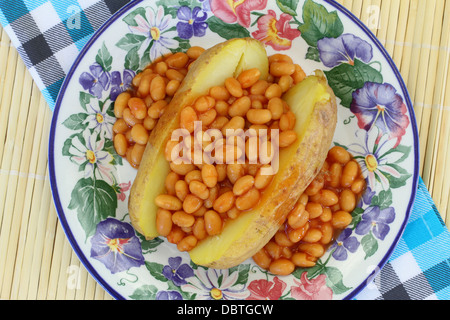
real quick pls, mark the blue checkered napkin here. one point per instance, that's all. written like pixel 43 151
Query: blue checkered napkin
pixel 419 268
pixel 49 34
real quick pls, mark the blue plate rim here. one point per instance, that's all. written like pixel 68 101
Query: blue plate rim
pixel 51 160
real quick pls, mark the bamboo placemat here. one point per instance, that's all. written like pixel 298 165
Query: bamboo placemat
pixel 37 261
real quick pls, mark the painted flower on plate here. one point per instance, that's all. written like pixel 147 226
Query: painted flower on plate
pixel 311 289
pixel 177 272
pixel 266 290
pixel 232 11
pixel 96 81
pixel 192 22
pixel 276 33
pixel 88 153
pixel 344 49
pixel 376 156
pixel 376 221
pixel 120 82
pixel 379 105
pixel 98 118
pixel 116 246
pixel 168 295
pixel 212 284
pixel 344 243
pixel 123 187
pixel 157 29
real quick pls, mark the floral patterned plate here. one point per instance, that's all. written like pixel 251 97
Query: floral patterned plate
pixel 91 183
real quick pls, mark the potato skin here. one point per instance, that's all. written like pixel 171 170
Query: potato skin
pixel 284 192
pixel 211 68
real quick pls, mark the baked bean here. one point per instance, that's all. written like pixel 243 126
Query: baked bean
pixel 234 87
pixel 347 201
pixel 158 88
pixel 181 189
pixel 120 126
pixel 262 259
pixel 182 219
pixel 243 185
pixel 312 236
pixel 199 189
pixel 248 200
pixel 282 267
pixel 121 103
pixel 314 187
pixel 139 134
pixel 120 144
pixel 282 239
pixel 328 198
pixel 172 87
pixel 299 75
pixel 259 88
pixel 298 217
pixel 326 215
pixel 222 107
pixel 287 121
pixel 195 52
pixel 273 91
pixel 163 222
pixel 161 68
pixel 296 235
pixel 173 74
pixel 235 123
pixel 240 107
pixel 187 118
pixel 209 175
pixel 177 60
pixel 168 202
pixel 129 118
pixel 279 57
pixel 302 260
pixel 192 203
pixel 220 93
pixel 340 155
pixel 235 171
pixel 349 174
pixel 204 103
pixel 285 83
pixel 313 249
pixel 259 116
pixel 213 223
pixel 149 123
pixel 187 243
pixel 341 219
pixel 273 249
pixel 198 229
pixel 335 175
pixel 278 69
pixel 224 202
pixel 170 182
pixel 137 153
pixel 156 110
pixel 182 168
pixel 314 209
pixel 175 235
pixel 358 186
pixel 287 138
pixel 262 180
pixel 249 77
pixel 327 233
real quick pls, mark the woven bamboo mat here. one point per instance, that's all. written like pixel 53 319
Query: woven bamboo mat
pixel 36 260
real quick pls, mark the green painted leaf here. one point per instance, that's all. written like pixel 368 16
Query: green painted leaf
pixel 104 58
pixel 345 79
pixel 129 19
pixel 130 41
pixel 288 6
pixel 313 54
pixel 335 280
pixel 397 182
pixel 369 244
pixel 227 31
pixel 145 292
pixel 155 270
pixel 85 99
pixel 75 122
pixel 319 23
pixel 243 270
pixel 383 199
pixel 94 201
pixel 132 59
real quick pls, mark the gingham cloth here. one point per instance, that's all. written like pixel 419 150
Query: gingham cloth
pixel 47 37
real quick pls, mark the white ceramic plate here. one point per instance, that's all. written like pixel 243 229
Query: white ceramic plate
pixel 91 183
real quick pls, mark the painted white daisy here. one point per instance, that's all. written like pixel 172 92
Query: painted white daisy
pixel 156 28
pixel 99 120
pixel 211 284
pixel 91 156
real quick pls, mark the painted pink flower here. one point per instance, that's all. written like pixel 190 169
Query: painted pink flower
pixel 314 289
pixel 266 290
pixel 124 187
pixel 276 33
pixel 231 11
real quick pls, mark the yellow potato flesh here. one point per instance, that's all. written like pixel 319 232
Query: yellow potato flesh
pixel 212 68
pixel 313 104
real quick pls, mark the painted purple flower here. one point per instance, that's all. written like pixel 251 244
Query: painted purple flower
pixel 192 22
pixel 177 272
pixel 345 242
pixel 120 83
pixel 116 246
pixel 168 295
pixel 345 49
pixel 377 221
pixel 379 105
pixel 96 81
